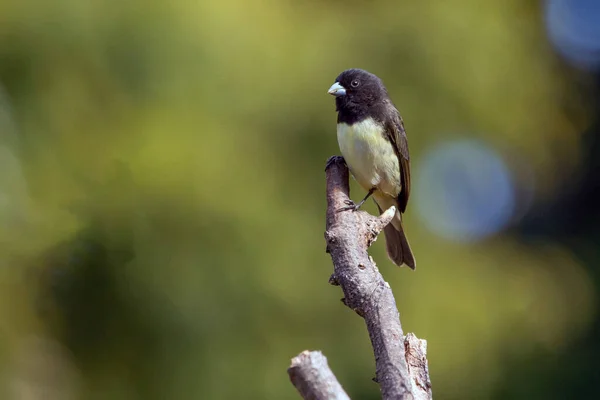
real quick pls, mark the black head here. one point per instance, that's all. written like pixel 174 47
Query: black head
pixel 357 92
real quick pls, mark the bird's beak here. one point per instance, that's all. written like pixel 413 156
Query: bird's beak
pixel 337 90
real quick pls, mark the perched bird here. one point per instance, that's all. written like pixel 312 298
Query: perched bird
pixel 373 142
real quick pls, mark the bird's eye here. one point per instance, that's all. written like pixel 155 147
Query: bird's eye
pixel 355 83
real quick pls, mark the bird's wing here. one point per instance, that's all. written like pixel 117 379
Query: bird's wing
pixel 397 136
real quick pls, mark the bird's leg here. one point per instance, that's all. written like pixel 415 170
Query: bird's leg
pixel 354 207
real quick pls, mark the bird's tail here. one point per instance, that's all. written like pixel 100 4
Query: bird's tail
pixel 397 246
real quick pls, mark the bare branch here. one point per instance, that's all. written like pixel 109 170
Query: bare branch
pixel 401 361
pixel 349 235
pixel 416 358
pixel 311 375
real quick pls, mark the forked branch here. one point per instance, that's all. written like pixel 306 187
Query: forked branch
pixel 400 362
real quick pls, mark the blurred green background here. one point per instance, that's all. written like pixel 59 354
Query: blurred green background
pixel 162 197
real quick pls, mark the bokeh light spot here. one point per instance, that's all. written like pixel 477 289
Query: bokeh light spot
pixel 464 191
pixel 574 29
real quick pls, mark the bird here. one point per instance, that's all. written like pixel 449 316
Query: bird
pixel 373 143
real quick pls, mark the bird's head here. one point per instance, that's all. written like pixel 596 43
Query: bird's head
pixel 357 89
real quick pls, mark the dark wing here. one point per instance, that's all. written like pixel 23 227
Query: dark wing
pixel 397 135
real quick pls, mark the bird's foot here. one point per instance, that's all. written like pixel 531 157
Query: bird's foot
pixel 350 206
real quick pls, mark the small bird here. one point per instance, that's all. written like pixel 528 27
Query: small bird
pixel 373 142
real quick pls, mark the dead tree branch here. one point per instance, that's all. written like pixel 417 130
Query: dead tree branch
pixel 349 235
pixel 400 362
pixel 314 380
pixel 416 358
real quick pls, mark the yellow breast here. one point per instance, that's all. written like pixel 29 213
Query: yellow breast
pixel 370 156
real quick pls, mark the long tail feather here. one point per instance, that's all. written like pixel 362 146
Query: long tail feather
pixel 397 246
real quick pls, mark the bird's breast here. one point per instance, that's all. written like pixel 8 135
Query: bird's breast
pixel 370 156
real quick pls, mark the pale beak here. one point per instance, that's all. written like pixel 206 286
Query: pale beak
pixel 337 90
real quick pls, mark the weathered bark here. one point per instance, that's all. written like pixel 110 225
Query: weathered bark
pixel 314 380
pixel 401 362
pixel 416 357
